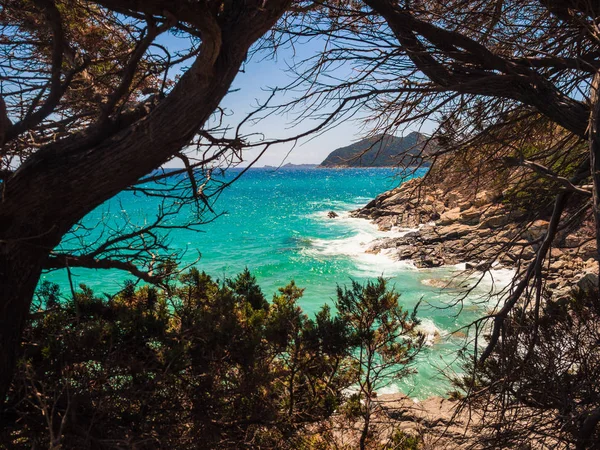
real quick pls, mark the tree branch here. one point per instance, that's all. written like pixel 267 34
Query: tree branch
pixel 62 261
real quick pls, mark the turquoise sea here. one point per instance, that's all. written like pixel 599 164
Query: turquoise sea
pixel 276 224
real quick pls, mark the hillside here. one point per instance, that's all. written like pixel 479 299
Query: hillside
pixel 381 151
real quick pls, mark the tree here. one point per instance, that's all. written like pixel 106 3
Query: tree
pixel 385 341
pixel 476 67
pixel 88 109
pixel 486 73
pixel 191 365
pixel 246 287
pixel 511 86
pixel 540 384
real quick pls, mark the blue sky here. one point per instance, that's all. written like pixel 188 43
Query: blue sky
pixel 251 87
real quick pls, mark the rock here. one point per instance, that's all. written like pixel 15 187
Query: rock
pixel 484 266
pixel 465 205
pixel 386 223
pixel 439 206
pixel 572 241
pixel 428 261
pixel 535 230
pixel 587 250
pixel 435 282
pixel 412 235
pixel 453 231
pixel 332 214
pixel 453 198
pixel 470 217
pixel 496 221
pixel 373 250
pixel 407 253
pixel 449 217
pixel 484 197
pixel 480 229
pixel 588 282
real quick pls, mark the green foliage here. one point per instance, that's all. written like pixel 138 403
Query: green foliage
pixel 380 327
pixel 403 441
pixel 385 343
pixel 246 288
pixel 383 150
pixel 200 362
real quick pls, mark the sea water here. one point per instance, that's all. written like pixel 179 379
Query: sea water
pixel 276 223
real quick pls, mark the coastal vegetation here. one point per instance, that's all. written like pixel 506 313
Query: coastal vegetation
pixel 94 104
pixel 204 363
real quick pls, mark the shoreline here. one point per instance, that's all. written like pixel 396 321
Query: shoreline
pixel 449 228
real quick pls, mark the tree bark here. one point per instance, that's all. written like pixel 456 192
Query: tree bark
pixel 594 145
pixel 20 268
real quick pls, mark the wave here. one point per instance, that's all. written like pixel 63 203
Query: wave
pixel 430 330
pixel 359 236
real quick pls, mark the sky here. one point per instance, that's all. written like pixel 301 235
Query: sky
pixel 252 86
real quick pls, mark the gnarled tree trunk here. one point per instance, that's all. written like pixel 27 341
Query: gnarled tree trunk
pixel 20 267
pixel 61 183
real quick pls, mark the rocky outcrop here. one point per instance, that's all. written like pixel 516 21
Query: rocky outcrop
pixel 478 229
pixel 437 423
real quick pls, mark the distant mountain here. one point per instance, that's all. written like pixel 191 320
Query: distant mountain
pixel 382 151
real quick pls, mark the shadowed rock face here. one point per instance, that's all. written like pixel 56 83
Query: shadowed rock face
pixel 476 228
pixel 383 150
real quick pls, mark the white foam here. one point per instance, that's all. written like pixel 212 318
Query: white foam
pixel 431 332
pixel 460 266
pixel 360 234
pixel 363 234
pixel 389 389
pixel 495 279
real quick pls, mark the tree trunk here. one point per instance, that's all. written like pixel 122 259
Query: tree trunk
pixel 20 268
pixel 365 429
pixel 57 186
pixel 594 145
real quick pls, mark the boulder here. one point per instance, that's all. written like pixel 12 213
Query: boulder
pixel 536 230
pixel 588 282
pixel 332 214
pixel 454 231
pixel 496 221
pixel 557 265
pixel 428 261
pixel 453 198
pixel 449 217
pixel 485 197
pixel 465 205
pixel 470 216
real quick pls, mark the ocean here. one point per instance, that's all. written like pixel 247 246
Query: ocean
pixel 275 222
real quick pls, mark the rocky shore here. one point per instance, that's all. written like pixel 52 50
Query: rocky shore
pixel 479 229
pixel 436 227
pixel 436 423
